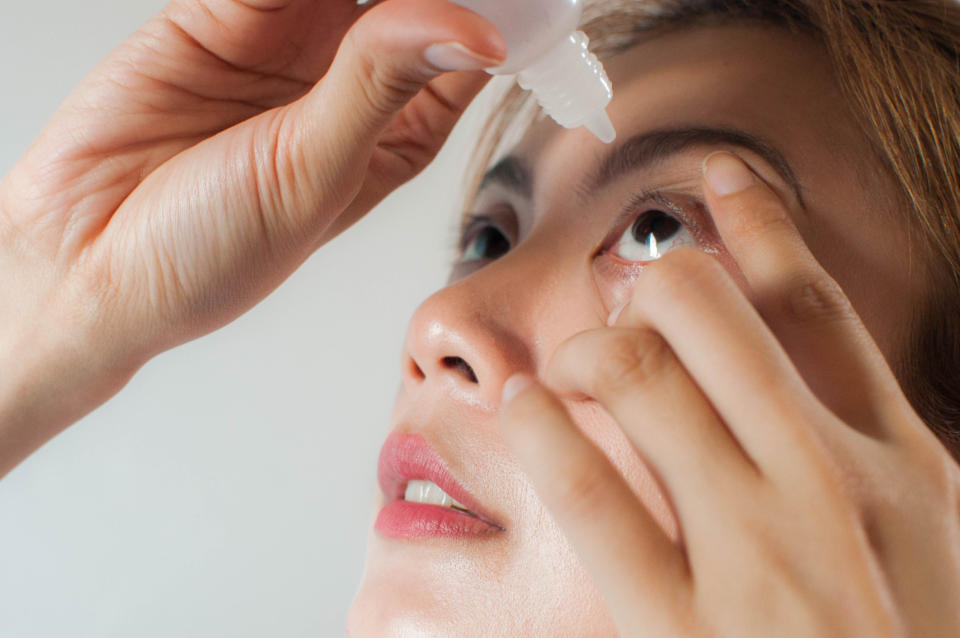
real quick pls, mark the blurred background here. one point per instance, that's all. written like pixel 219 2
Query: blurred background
pixel 228 490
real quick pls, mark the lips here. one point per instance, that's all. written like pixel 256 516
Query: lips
pixel 407 457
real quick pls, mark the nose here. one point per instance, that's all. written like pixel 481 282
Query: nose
pixel 467 338
pixel 455 342
pixel 508 316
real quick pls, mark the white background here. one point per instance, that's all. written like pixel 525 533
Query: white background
pixel 227 491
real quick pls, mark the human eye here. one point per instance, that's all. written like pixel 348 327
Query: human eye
pixel 653 232
pixel 481 239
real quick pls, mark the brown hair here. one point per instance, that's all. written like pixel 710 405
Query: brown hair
pixel 898 63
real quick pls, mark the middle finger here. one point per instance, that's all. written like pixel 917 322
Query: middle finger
pixel 635 375
pixel 732 356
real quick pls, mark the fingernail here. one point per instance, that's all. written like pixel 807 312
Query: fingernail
pixel 612 319
pixel 514 386
pixel 453 56
pixel 727 174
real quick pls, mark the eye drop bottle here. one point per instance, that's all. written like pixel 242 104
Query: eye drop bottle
pixel 551 59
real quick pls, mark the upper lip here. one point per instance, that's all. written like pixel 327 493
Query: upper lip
pixel 408 457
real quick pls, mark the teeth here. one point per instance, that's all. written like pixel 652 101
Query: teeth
pixel 430 493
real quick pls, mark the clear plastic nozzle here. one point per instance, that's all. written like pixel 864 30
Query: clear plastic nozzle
pixel 572 86
pixel 601 126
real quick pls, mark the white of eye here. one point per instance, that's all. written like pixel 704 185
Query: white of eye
pixel 653 234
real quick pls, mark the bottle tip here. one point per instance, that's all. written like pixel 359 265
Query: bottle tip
pixel 601 126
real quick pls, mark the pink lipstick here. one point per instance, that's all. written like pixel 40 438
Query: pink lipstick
pixel 454 512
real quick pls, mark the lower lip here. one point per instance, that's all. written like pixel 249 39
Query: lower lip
pixel 406 519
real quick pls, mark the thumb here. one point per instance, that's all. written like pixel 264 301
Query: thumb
pixel 393 52
pixel 219 226
pixel 384 61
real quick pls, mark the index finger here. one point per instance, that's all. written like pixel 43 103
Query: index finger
pixel 802 304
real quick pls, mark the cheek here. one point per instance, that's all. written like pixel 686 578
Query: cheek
pixel 601 428
pixel 616 281
pixel 535 586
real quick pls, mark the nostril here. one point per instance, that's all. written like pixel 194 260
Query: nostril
pixel 415 370
pixel 456 363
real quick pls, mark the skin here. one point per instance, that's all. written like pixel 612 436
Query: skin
pixel 732 456
pixel 116 244
pixel 196 168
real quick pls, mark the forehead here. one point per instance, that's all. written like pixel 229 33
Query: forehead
pixel 773 85
pixel 759 79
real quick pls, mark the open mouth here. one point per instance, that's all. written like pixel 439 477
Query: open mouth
pixel 423 499
pixel 429 493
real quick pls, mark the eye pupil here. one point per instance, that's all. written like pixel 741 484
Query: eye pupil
pixel 657 223
pixel 490 243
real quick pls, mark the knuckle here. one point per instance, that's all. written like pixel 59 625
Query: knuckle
pixel 811 464
pixel 417 142
pixel 630 359
pixel 933 469
pixel 761 219
pixel 383 84
pixel 812 298
pixel 828 486
pixel 388 90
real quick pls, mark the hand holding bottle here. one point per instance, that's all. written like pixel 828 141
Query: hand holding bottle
pixel 199 165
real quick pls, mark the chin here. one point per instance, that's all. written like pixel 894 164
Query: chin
pixel 410 590
pixel 413 589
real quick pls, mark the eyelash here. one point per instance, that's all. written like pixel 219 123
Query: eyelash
pixel 474 223
pixel 642 202
pixel 647 201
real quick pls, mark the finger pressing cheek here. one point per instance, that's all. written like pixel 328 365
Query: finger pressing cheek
pixel 611 531
pixel 635 375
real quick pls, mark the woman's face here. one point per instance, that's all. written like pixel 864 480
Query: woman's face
pixel 563 229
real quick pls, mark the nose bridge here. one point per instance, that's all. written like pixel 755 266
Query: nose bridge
pixel 479 330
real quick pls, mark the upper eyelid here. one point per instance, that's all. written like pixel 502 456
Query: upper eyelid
pixel 472 220
pixel 640 203
pixel 695 217
pixel 502 215
pixel 656 196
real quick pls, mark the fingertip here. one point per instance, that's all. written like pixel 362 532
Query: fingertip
pixel 726 174
pixel 514 386
pixel 482 36
pixel 454 56
pixel 445 22
pixel 522 408
pixel 615 314
pixel 386 58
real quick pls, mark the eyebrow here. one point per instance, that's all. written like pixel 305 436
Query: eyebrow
pixel 647 149
pixel 512 173
pixel 644 150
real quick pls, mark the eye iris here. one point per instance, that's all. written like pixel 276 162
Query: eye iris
pixel 490 243
pixel 657 223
